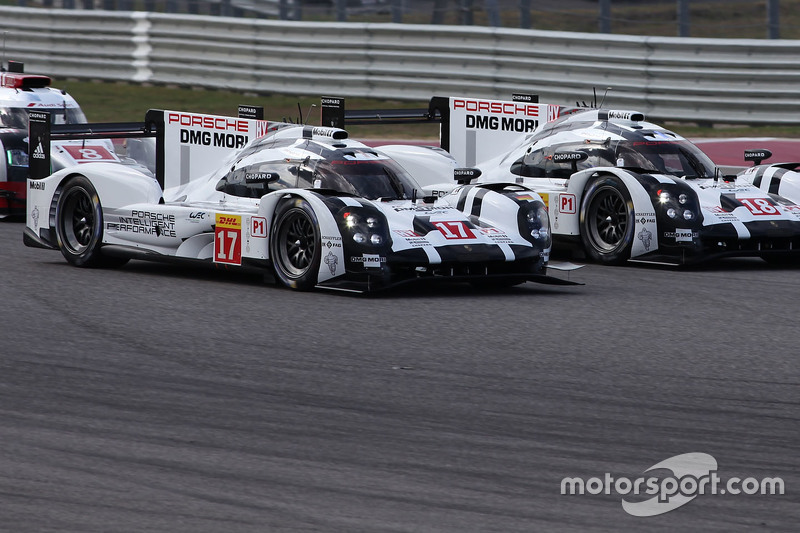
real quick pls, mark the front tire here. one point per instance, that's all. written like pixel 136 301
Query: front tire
pixel 295 246
pixel 607 221
pixel 79 226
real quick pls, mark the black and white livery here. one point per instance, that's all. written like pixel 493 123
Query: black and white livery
pixel 305 203
pixel 623 188
pixel 780 179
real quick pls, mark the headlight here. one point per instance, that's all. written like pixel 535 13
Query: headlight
pixel 360 238
pixel 350 220
pixel 688 215
pixel 671 212
pixel 376 239
pixel 17 157
pixel 663 197
pixel 682 199
pixel 372 222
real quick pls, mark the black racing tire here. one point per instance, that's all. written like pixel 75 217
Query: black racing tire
pixel 295 245
pixel 607 221
pixel 79 226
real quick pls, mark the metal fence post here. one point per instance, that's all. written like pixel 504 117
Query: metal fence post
pixel 341 10
pixel 438 11
pixel 525 14
pixel 493 11
pixel 773 19
pixel 684 23
pixel 467 17
pixel 605 16
pixel 397 11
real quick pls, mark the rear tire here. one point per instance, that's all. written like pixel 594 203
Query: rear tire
pixel 295 245
pixel 79 226
pixel 607 221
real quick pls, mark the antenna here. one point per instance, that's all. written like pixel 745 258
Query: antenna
pixel 594 94
pixel 307 114
pixel 604 96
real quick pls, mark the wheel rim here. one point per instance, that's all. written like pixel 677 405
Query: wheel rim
pixel 296 243
pixel 78 220
pixel 608 219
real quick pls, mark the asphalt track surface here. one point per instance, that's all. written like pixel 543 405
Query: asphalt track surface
pixel 165 398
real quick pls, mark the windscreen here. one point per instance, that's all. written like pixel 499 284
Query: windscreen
pixel 17 117
pixel 363 174
pixel 673 157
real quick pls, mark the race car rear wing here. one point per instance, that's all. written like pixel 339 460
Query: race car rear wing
pixel 473 130
pixel 194 142
pixel 42 133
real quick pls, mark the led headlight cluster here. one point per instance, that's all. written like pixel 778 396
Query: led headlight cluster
pixel 365 227
pixel 17 157
pixel 677 206
pixel 537 223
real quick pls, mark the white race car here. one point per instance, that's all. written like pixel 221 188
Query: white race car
pixel 619 186
pixel 20 95
pixel 307 203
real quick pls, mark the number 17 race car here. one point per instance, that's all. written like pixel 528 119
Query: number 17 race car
pixel 305 203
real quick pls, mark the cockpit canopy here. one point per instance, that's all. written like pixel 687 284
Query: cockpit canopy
pixel 17 117
pixel 273 165
pixel 647 151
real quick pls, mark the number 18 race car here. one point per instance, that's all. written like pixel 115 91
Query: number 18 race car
pixel 621 187
pixel 306 203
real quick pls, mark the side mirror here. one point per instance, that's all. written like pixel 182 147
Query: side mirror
pixel 465 175
pixel 757 156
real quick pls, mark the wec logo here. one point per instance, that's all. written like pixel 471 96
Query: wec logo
pixel 691 475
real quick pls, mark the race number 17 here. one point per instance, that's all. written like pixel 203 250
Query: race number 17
pixel 228 239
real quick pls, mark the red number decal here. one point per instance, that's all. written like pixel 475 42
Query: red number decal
pixel 84 154
pixel 227 239
pixel 759 206
pixel 454 230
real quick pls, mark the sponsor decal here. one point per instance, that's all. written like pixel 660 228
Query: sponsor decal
pixel 197 216
pixel 258 227
pixel 646 237
pixel 213 138
pixel 496 235
pixel 483 122
pixel 496 107
pixel 38 116
pixel 646 218
pixel 681 235
pixel 525 197
pixel 35 217
pixel 331 242
pixel 332 261
pixel 425 209
pixel 208 122
pixel 228 239
pixel 407 233
pixel 145 223
pixel 36 185
pixel 38 152
pixel 369 260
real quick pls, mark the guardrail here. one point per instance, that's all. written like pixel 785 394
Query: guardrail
pixel 668 78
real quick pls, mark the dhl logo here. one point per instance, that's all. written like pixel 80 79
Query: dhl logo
pixel 229 221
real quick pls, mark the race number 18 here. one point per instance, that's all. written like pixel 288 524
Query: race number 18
pixel 759 206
